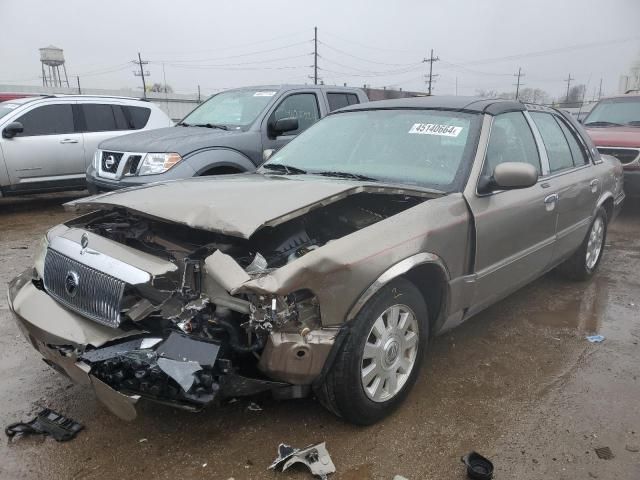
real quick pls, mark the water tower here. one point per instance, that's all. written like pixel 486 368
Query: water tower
pixel 52 58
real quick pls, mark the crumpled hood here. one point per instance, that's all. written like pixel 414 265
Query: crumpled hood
pixel 615 136
pixel 181 140
pixel 235 205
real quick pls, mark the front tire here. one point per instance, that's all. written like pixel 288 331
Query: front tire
pixel 380 360
pixel 584 262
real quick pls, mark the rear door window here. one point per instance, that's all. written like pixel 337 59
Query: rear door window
pixel 138 116
pixel 47 120
pixel 303 106
pixel 99 117
pixel 558 150
pixel 577 151
pixel 340 100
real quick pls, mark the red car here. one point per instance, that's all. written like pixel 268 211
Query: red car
pixel 614 126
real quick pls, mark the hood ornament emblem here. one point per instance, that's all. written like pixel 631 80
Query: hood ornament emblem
pixel 84 243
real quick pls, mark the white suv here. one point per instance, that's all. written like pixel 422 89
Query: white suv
pixel 48 142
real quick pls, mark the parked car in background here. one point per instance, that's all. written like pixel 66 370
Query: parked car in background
pixel 614 126
pixel 234 131
pixel 328 269
pixel 49 141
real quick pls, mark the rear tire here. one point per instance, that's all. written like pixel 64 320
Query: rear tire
pixel 584 262
pixel 380 360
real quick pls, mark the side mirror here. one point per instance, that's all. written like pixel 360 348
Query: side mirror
pixel 12 130
pixel 267 154
pixel 284 125
pixel 510 176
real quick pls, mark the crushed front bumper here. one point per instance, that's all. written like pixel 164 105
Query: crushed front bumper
pixel 60 336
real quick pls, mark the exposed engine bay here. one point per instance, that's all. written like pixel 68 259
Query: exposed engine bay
pixel 204 341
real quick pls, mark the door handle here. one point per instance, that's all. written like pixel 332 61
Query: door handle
pixel 594 185
pixel 550 201
pixel 68 140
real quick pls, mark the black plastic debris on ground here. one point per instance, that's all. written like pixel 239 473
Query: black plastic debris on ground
pixel 604 453
pixel 47 422
pixel 478 467
pixel 315 457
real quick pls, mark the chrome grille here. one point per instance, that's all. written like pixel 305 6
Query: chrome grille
pixel 110 161
pixel 83 289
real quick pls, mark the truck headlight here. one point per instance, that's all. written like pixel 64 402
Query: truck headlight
pixel 155 163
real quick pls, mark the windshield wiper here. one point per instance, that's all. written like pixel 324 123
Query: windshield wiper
pixel 634 123
pixel 602 123
pixel 355 176
pixel 183 124
pixel 212 125
pixel 286 169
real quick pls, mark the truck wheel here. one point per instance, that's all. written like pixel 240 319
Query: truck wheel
pixel 380 360
pixel 584 262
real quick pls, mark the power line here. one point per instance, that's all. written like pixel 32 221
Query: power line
pixel 430 60
pixel 362 59
pixel 257 52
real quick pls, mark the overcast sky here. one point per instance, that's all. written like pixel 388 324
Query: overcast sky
pixel 219 44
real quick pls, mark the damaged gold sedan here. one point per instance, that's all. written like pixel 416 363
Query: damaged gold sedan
pixel 329 269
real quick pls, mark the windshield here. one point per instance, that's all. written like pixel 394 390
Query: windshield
pixel 615 112
pixel 7 107
pixel 237 108
pixel 425 148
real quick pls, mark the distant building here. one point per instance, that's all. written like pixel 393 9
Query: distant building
pixel 632 80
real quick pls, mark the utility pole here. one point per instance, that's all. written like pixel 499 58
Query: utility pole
pixel 519 74
pixel 600 89
pixel 199 101
pixel 142 73
pixel 79 89
pixel 430 60
pixel 315 55
pixel 568 80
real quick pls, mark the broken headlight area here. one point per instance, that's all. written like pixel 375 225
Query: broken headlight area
pixel 178 369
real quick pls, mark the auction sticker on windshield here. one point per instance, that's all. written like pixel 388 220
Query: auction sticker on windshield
pixel 435 129
pixel 264 94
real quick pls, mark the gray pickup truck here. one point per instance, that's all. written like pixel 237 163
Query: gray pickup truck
pixel 232 132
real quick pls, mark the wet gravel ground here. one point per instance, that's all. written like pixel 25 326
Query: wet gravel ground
pixel 519 383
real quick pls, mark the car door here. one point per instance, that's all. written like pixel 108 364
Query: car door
pixel 101 121
pixel 49 152
pixel 303 105
pixel 571 177
pixel 514 229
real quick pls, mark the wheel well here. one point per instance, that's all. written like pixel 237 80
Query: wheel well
pixel 608 207
pixel 431 281
pixel 225 170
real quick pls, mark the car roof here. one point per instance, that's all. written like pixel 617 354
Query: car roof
pixel 491 106
pixel 74 97
pixel 287 87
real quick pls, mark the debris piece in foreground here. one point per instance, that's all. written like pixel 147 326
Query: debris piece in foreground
pixel 595 338
pixel 315 457
pixel 604 453
pixel 478 467
pixel 47 422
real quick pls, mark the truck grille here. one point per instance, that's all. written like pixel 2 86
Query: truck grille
pixel 110 161
pixel 83 289
pixel 625 155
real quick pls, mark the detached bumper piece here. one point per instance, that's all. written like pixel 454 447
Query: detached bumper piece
pixel 47 422
pixel 315 457
pixel 179 370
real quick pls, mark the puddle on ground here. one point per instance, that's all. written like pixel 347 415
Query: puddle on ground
pixel 578 309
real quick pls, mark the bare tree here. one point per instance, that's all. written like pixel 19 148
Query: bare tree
pixel 158 87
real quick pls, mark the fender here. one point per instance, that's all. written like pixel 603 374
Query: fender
pixel 400 268
pixel 203 160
